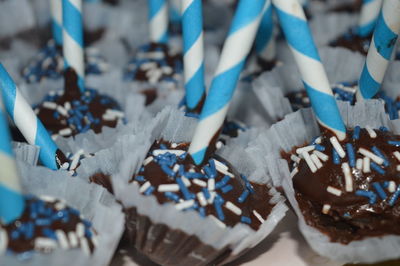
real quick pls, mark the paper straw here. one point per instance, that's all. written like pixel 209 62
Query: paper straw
pixel 236 48
pixel 73 38
pixel 380 50
pixel 265 42
pixel 12 201
pixel 56 20
pixel 298 35
pixel 368 16
pixel 175 11
pixel 26 120
pixel 158 19
pixel 192 26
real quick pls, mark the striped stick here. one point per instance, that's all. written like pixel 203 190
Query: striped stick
pixel 298 35
pixel 12 201
pixel 175 11
pixel 158 19
pixel 73 38
pixel 368 17
pixel 236 48
pixel 265 42
pixel 192 26
pixel 26 120
pixel 380 50
pixel 56 20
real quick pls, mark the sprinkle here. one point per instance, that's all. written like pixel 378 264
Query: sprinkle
pixel 305 149
pixel 186 181
pixel 3 241
pixel 318 140
pixel 370 155
pixel 334 191
pixel 222 182
pixel 65 132
pixel 398 168
pixel 319 147
pixel 148 160
pixel 380 154
pixel 392 186
pixel 73 240
pixel 294 172
pixel 140 178
pixel 366 165
pixel 233 208
pixel 395 196
pixel 371 132
pixel 376 167
pixel 84 245
pixel 309 162
pixel 183 188
pixel 199 182
pixel 336 145
pixel 369 194
pixel 50 105
pixel 220 166
pixel 218 209
pixel 62 110
pixel 356 132
pixel 359 163
pixel 184 204
pixel 326 208
pixel 210 200
pixel 321 155
pixel 336 158
pixel 316 161
pixel 394 142
pixel 164 151
pixel 245 219
pixel 168 170
pixel 243 196
pixel 149 191
pixel 144 187
pixel 202 199
pixel 381 193
pixel 397 155
pixel 226 188
pixel 347 177
pixel 168 187
pixel 258 216
pixel 295 158
pixel 45 243
pixel 80 230
pixel 217 221
pixel 350 154
pixel 172 196
pixel 211 184
pixel 62 239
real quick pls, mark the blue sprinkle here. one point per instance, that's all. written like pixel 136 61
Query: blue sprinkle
pixel 394 142
pixel 356 132
pixel 49 233
pixel 29 230
pixel 163 147
pixel 336 158
pixel 141 169
pixel 43 222
pixel 149 191
pixel 202 212
pixel 380 154
pixel 347 215
pixel 319 147
pixel 186 194
pixel 395 196
pixel 385 184
pixel 193 115
pixel 14 234
pixel 245 219
pixel 194 175
pixel 209 172
pixel 87 223
pixel 206 193
pixel 140 178
pixel 74 211
pixel 168 170
pixel 379 190
pixel 226 188
pixel 350 154
pixel 369 194
pixel 376 167
pixel 212 165
pixel 172 196
pixel 250 187
pixel 88 233
pixel 222 182
pixel 218 209
pixel 243 196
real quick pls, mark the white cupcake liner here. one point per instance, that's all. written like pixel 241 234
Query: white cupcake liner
pixel 26 153
pixel 299 128
pixel 94 203
pixel 9 11
pixel 126 157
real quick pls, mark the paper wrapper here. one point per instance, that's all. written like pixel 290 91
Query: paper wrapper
pixel 299 128
pixel 94 203
pixel 26 153
pixel 160 231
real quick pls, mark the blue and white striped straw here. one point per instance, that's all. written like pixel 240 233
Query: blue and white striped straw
pixel 234 53
pixel 175 11
pixel 368 16
pixel 298 35
pixel 192 26
pixel 158 19
pixel 380 50
pixel 12 202
pixel 56 20
pixel 265 42
pixel 26 120
pixel 73 38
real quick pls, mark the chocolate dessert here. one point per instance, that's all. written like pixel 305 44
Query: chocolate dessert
pixel 352 41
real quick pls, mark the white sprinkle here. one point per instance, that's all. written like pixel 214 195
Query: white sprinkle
pixel 305 149
pixel 45 243
pixel 3 241
pixel 116 113
pixel 168 188
pixel 336 145
pixel 54 136
pixel 186 181
pixel 148 160
pixel 184 204
pixel 326 208
pixel 321 155
pixel 167 70
pixel 371 155
pixel 84 245
pixel 359 163
pixel 202 199
pixel 74 163
pixel 62 110
pixel 176 152
pixel 148 65
pixel 371 132
pixel 366 165
pixel 94 240
pixel 175 168
pixel 220 166
pixel 210 200
pixel 348 179
pixel 50 105
pixel 67 106
pixel 60 205
pixel 318 140
pixel 294 172
pixel 80 230
pixel 65 131
pixel 217 221
pixel 47 198
pixel 219 145
pixel 398 168
pixel 392 187
pixel 211 184
pixel 108 117
pixel 233 208
pixel 65 166
pixel 78 154
pixel 316 161
pixel 199 182
pixel 144 187
pixel 334 191
pixel 259 217
pixel 73 240
pixel 62 239
pixel 309 162
pixel 174 145
pixel 397 155
pixel 294 158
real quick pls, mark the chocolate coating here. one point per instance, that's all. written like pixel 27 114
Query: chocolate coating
pixel 353 42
